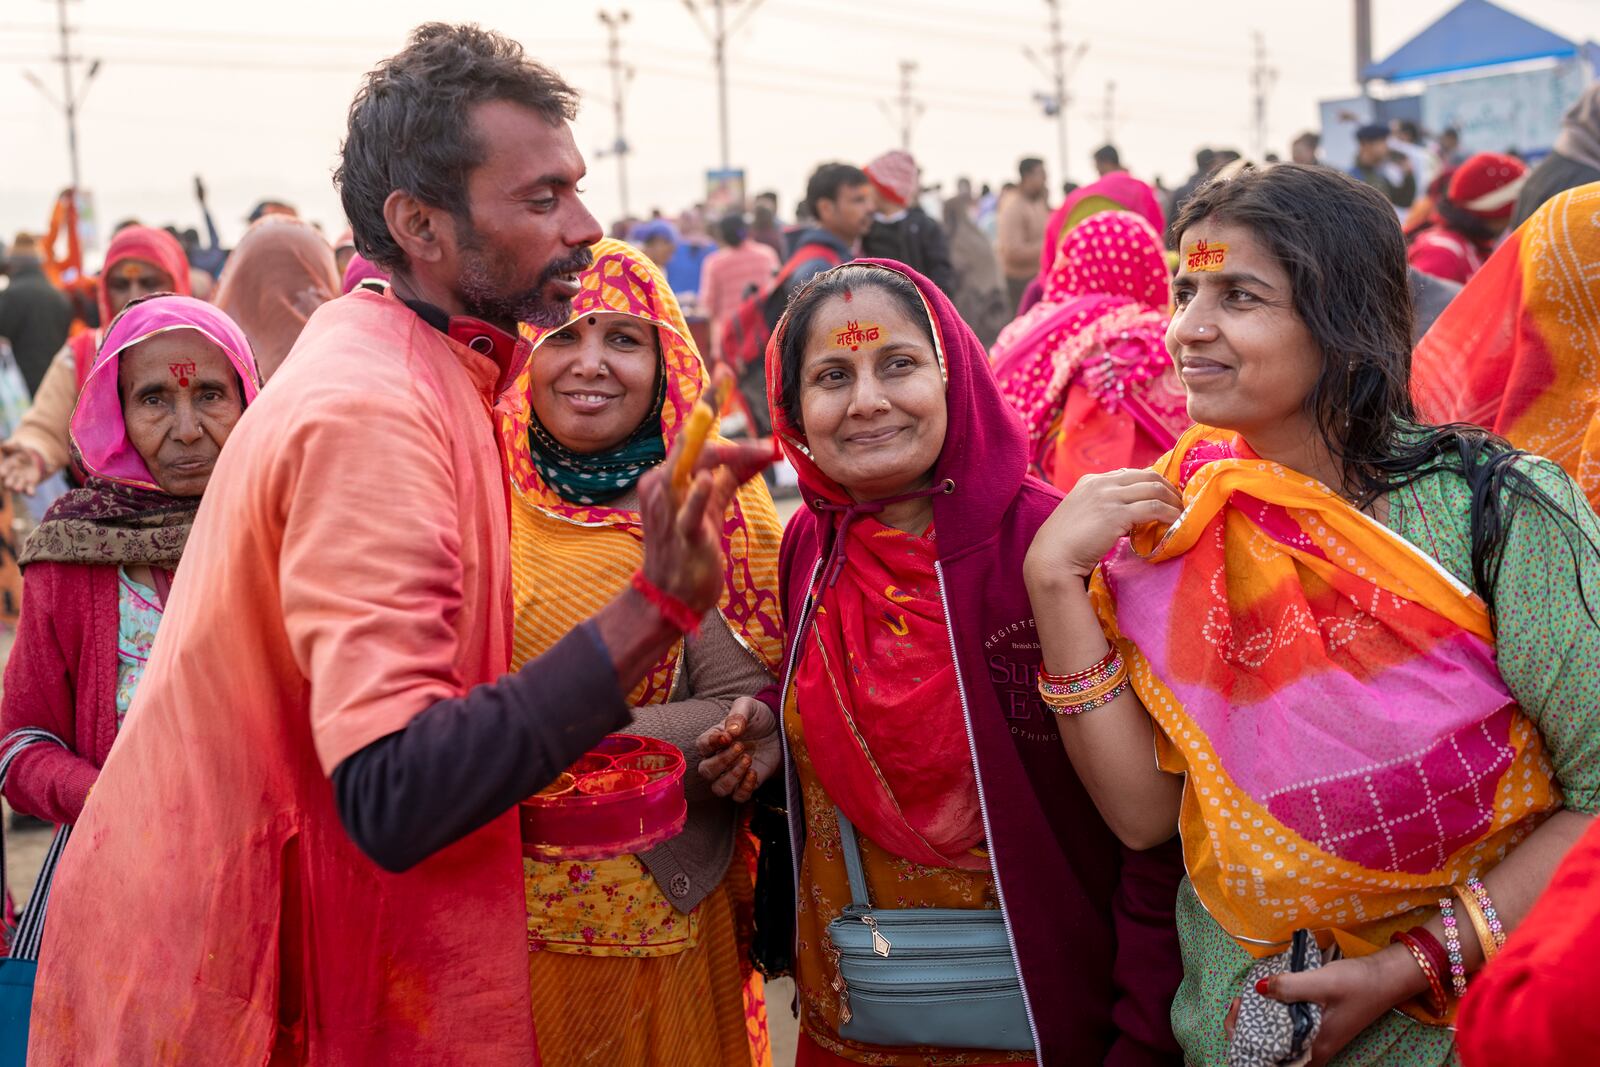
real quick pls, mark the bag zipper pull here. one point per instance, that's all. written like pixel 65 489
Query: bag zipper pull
pixel 832 952
pixel 880 944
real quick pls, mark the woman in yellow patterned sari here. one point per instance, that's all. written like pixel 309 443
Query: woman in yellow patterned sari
pixel 1364 648
pixel 638 959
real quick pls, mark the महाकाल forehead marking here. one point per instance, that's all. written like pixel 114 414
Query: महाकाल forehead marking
pixel 1205 256
pixel 854 334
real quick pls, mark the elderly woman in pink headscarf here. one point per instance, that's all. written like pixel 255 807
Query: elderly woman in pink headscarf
pixel 1120 191
pixel 170 381
pixel 1087 366
pixel 280 272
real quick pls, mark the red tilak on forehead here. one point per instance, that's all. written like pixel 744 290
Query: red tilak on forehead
pixel 848 296
pixel 182 371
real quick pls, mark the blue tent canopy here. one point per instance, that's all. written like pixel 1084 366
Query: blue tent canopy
pixel 1474 33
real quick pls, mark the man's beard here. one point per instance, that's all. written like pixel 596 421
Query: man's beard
pixel 483 287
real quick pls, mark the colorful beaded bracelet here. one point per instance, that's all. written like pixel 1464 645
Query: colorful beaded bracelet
pixel 1064 695
pixel 1452 946
pixel 1078 707
pixel 1087 689
pixel 1479 906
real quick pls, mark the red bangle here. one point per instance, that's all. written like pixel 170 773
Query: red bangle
pixel 1432 959
pixel 676 612
pixel 1101 667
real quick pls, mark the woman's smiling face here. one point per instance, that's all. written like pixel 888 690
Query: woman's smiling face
pixel 872 396
pixel 594 380
pixel 1247 359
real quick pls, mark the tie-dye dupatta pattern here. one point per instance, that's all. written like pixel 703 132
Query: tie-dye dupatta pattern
pixel 568 560
pixel 1518 350
pixel 1330 693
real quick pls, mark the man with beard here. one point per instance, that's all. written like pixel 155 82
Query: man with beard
pixel 305 850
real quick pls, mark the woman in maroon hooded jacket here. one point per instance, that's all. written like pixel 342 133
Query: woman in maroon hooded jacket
pixel 909 699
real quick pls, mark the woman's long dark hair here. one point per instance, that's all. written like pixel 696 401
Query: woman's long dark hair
pixel 1341 245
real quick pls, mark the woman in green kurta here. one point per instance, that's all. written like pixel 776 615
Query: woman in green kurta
pixel 1363 647
pixel 1548 652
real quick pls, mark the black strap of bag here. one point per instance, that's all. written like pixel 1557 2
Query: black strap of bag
pixel 25 939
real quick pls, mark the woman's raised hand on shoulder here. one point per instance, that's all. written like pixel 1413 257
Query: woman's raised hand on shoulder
pixel 1100 509
pixel 741 751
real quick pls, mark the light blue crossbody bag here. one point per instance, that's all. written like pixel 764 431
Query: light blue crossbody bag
pixel 934 977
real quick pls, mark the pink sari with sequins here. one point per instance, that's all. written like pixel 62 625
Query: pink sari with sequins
pixel 1087 367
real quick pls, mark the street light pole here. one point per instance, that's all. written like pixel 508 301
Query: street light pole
pixel 620 76
pixel 718 33
pixel 1059 70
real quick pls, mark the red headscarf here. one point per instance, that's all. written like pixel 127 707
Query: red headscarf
pixel 155 247
pixel 875 682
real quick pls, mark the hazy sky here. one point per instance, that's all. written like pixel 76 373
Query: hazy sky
pixel 253 96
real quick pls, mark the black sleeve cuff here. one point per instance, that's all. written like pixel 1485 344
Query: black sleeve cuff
pixel 464 761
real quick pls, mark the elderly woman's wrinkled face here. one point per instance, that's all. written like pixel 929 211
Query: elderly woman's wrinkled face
pixel 594 380
pixel 181 398
pixel 872 396
pixel 1247 359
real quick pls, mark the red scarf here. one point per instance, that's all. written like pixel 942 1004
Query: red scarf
pixel 877 693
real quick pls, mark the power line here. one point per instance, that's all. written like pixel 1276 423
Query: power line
pixel 621 75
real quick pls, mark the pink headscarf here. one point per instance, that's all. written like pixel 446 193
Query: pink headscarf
pixel 360 269
pixel 1099 328
pixel 98 428
pixel 1122 188
pixel 1114 253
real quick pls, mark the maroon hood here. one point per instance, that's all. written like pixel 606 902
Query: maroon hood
pixel 1092 923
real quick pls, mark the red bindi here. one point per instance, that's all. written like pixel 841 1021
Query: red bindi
pixel 181 371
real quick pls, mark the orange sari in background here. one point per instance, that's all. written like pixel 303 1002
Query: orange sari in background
pixel 1518 351
pixel 619 975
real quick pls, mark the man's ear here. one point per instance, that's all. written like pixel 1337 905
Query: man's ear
pixel 419 229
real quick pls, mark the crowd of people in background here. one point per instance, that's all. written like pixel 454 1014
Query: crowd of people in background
pixel 1189 612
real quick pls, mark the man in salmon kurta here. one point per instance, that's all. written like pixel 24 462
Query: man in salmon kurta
pixel 326 705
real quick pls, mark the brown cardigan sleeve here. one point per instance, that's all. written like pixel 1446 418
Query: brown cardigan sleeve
pixel 717 670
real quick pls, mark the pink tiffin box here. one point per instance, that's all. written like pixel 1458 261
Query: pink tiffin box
pixel 625 796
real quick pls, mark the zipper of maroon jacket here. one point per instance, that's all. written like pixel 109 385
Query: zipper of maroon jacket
pixel 983 809
pixel 791 788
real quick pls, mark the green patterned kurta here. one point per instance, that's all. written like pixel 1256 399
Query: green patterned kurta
pixel 1548 651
